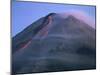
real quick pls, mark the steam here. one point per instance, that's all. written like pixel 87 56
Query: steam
pixel 79 15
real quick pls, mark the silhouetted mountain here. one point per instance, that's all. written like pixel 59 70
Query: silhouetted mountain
pixel 53 43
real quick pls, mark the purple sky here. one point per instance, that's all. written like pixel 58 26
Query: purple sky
pixel 25 13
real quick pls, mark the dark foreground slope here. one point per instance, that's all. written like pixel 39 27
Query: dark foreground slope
pixel 53 44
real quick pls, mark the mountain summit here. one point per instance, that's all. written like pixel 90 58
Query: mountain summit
pixel 54 43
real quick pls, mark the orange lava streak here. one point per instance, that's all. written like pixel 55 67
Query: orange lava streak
pixel 26 45
pixel 44 32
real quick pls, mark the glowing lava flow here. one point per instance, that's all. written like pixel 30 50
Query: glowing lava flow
pixel 26 44
pixel 41 34
pixel 44 31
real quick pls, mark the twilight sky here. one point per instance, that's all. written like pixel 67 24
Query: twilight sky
pixel 25 13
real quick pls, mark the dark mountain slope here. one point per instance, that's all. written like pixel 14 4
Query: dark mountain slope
pixel 26 35
pixel 57 44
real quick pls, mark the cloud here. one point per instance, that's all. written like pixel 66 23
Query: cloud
pixel 81 15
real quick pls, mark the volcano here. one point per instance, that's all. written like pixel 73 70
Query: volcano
pixel 54 43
